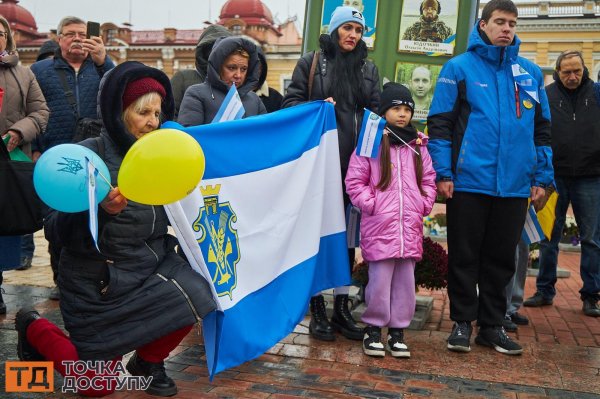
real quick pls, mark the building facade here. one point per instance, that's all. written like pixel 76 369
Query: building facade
pixel 171 49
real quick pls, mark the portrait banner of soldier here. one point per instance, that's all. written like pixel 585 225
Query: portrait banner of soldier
pixel 428 26
pixel 420 80
pixel 367 7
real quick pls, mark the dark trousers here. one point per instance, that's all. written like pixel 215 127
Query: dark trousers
pixel 483 232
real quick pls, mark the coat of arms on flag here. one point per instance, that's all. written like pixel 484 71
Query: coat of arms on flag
pixel 219 240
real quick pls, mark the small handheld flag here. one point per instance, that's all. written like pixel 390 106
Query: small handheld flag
pixel 532 231
pixel 371 132
pixel 352 226
pixel 526 82
pixel 232 107
pixel 93 212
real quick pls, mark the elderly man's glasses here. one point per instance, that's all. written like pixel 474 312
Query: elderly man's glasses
pixel 72 35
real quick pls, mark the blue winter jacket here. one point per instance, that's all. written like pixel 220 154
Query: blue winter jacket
pixel 84 85
pixel 477 138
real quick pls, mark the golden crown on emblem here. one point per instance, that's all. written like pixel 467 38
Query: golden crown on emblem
pixel 210 190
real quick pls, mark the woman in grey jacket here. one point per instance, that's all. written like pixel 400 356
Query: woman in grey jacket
pixel 343 76
pixel 233 60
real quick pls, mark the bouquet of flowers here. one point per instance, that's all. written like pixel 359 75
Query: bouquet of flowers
pixel 431 271
pixel 534 256
pixel 570 233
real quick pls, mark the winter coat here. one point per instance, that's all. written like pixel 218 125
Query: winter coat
pixel 137 289
pixel 188 77
pixel 575 128
pixel 348 121
pixel 84 85
pixel 391 224
pixel 201 102
pixel 24 108
pixel 476 138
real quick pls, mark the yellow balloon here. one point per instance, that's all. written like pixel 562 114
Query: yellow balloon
pixel 161 167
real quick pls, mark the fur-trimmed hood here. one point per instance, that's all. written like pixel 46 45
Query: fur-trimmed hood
pixel 110 99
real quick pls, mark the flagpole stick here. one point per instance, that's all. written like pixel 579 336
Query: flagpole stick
pixel 387 129
pixel 101 175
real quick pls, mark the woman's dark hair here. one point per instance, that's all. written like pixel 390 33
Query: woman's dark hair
pixel 385 165
pixel 347 68
pixel 502 5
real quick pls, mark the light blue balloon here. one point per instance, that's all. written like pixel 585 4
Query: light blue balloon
pixel 61 180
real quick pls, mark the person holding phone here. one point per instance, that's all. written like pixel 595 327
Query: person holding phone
pixel 69 82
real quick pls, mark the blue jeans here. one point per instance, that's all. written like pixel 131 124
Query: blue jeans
pixel 27 246
pixel 584 195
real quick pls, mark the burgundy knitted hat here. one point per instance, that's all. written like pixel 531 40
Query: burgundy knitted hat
pixel 138 88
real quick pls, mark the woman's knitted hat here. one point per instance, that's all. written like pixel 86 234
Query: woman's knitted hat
pixel 138 88
pixel 343 14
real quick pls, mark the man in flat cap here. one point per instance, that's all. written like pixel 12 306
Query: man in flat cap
pixel 428 28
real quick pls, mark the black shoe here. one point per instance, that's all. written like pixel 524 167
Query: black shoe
pixel 519 319
pixel 495 337
pixel 396 344
pixel 372 345
pixel 319 326
pixel 591 307
pixel 23 319
pixel 25 263
pixel 161 385
pixel 460 337
pixel 342 320
pixel 509 325
pixel 537 300
pixel 55 293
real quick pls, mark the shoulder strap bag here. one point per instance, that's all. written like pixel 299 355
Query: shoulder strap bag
pixel 21 210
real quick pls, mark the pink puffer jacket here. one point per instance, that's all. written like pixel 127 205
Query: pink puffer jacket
pixel 391 223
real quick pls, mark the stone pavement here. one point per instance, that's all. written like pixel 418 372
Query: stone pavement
pixel 561 359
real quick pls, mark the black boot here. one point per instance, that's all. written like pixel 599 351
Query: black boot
pixel 342 320
pixel 319 326
pixel 23 319
pixel 161 385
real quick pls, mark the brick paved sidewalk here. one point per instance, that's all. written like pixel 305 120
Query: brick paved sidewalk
pixel 561 359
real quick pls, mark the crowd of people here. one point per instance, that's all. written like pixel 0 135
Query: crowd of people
pixel 491 147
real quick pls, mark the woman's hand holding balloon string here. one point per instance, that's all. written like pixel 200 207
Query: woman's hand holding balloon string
pixel 114 202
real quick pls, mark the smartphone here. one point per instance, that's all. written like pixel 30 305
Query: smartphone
pixel 93 29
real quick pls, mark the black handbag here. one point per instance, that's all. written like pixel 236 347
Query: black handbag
pixel 21 210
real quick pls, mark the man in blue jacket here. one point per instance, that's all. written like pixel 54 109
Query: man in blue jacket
pixel 489 129
pixel 79 63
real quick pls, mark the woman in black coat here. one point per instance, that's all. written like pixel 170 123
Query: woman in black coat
pixel 136 293
pixel 342 75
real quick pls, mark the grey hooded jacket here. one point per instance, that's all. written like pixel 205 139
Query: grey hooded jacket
pixel 201 102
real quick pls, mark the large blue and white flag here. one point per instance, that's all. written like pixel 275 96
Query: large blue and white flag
pixel 532 231
pixel 231 108
pixel 266 226
pixel 371 132
pixel 526 82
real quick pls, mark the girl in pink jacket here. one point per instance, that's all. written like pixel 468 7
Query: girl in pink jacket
pixel 394 192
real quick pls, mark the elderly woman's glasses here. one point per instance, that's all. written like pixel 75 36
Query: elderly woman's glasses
pixel 3 34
